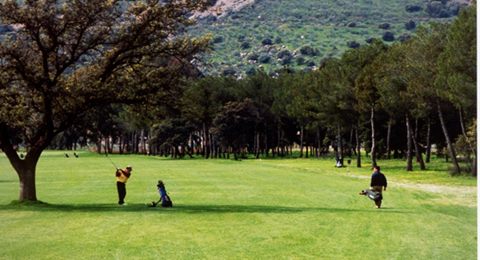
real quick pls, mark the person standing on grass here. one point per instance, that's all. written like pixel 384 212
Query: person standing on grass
pixel 377 183
pixel 122 177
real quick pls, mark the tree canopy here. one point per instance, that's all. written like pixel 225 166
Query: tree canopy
pixel 65 59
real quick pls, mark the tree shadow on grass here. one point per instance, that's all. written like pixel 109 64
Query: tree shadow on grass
pixel 188 209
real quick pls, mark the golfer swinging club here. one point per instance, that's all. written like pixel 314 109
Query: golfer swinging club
pixel 122 177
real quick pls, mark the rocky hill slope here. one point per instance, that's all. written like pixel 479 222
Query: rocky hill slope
pixel 272 34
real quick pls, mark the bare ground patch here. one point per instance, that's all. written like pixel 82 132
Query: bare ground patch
pixel 222 7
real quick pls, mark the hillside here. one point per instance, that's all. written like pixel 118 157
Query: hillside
pixel 272 34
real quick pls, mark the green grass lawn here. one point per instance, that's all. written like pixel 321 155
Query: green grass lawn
pixel 225 209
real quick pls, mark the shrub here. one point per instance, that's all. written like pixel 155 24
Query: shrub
pixel 404 37
pixel 284 54
pixel 253 56
pixel 308 51
pixel 211 2
pixel 229 72
pixel 218 39
pixel 245 45
pixel 410 25
pixel 384 26
pixel 353 44
pixel 388 37
pixel 264 58
pixel 413 8
pixel 453 8
pixel 267 41
pixel 300 60
pixel 311 63
pixel 251 71
pixel 5 29
pixel 211 19
pixel 439 10
pixel 285 61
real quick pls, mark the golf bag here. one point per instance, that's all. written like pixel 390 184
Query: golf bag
pixel 167 202
pixel 373 195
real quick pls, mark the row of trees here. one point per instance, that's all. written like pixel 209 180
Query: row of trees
pixel 396 100
pixel 74 70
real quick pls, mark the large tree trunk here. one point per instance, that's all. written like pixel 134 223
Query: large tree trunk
pixel 339 145
pixel 107 145
pixel 27 180
pixel 301 141
pixel 212 146
pixel 206 145
pixel 462 125
pixel 265 143
pixel 418 153
pixel 99 145
pixel 474 167
pixel 257 141
pixel 120 144
pixel 359 155
pixel 132 142
pixel 389 132
pixel 469 144
pixel 351 148
pixel 451 149
pixel 429 145
pixel 409 144
pixel 373 150
pixel 144 142
pixel 25 168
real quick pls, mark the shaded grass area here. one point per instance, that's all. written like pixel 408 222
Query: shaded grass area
pixel 199 208
pixel 250 209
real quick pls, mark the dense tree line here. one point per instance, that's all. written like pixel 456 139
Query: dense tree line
pixel 395 101
pixel 70 73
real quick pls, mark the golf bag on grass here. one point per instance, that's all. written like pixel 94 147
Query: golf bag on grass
pixel 373 195
pixel 164 198
pixel 166 202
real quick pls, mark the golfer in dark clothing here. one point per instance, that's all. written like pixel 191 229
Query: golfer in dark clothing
pixel 378 182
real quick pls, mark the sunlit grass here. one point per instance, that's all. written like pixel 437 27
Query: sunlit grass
pixel 249 209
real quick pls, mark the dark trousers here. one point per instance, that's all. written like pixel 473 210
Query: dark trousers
pixel 122 192
pixel 378 202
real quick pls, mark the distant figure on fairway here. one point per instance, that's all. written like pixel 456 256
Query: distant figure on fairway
pixel 378 182
pixel 164 198
pixel 122 177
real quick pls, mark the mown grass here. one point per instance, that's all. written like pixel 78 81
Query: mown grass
pixel 225 209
